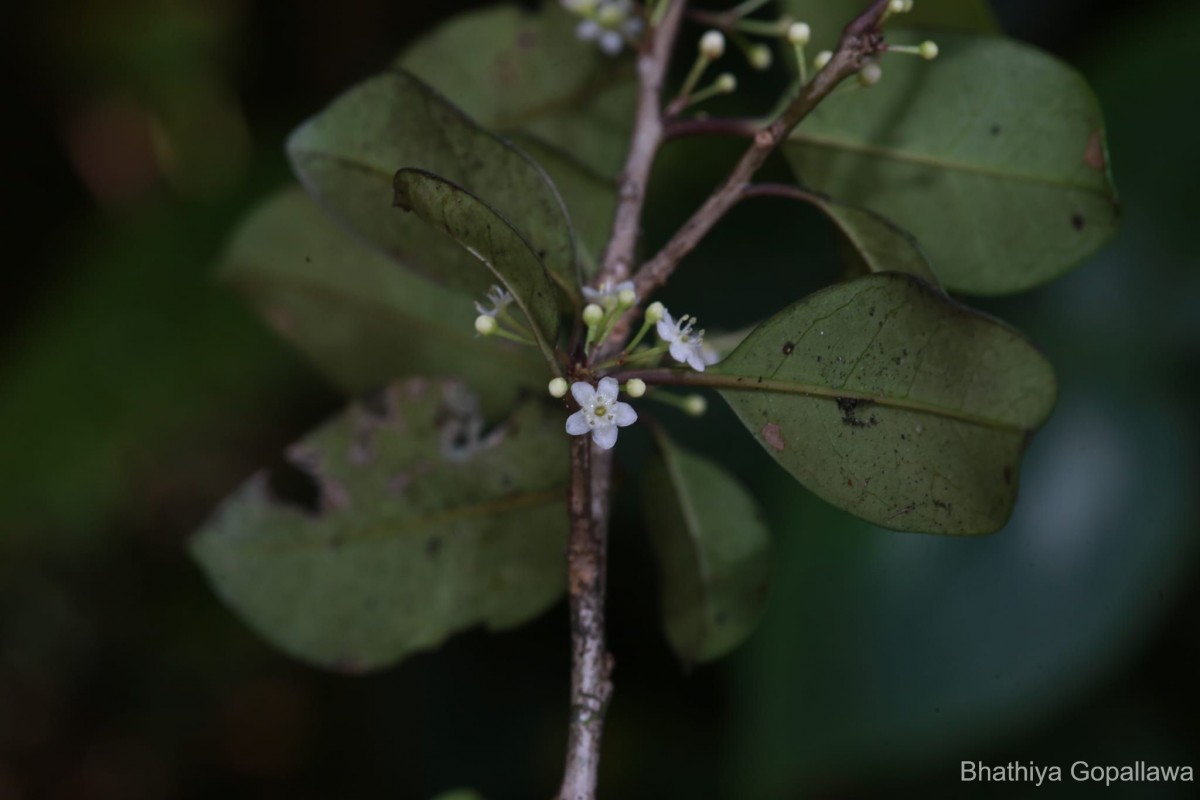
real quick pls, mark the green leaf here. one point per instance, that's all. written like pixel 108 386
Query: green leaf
pixel 359 316
pixel 517 71
pixel 891 401
pixel 348 155
pixel 424 526
pixel 713 550
pixel 590 196
pixel 488 237
pixel 992 144
pixel 873 243
pixel 827 18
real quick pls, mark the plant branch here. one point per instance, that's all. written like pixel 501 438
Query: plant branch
pixel 653 61
pixel 860 39
pixel 679 128
pixel 591 664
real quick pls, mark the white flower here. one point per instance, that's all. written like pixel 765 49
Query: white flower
pixel 686 347
pixel 500 300
pixel 608 295
pixel 607 22
pixel 599 414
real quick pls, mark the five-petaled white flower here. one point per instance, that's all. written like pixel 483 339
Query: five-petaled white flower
pixel 608 295
pixel 599 414
pixel 500 300
pixel 607 22
pixel 686 347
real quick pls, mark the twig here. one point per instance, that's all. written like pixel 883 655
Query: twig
pixel 591 468
pixel 653 61
pixel 715 126
pixel 591 665
pixel 860 39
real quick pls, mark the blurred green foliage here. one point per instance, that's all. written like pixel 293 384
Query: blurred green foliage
pixel 134 393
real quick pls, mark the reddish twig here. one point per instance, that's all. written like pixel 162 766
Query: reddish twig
pixel 860 39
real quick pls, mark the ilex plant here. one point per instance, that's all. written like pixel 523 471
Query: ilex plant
pixel 465 257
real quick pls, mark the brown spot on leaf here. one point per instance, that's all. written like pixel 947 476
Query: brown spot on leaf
pixel 1077 221
pixel 773 436
pixel 1093 154
pixel 1008 476
pixel 789 348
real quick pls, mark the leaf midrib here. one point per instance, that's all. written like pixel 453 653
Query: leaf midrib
pixel 922 159
pixel 730 382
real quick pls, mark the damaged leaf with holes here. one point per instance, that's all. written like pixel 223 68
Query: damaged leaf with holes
pixel 425 524
pixel 893 402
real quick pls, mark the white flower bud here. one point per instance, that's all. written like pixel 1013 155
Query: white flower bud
pixel 593 314
pixel 610 15
pixel 626 298
pixel 712 45
pixel 695 405
pixel 654 312
pixel 896 6
pixel 822 59
pixel 726 83
pixel 486 325
pixel 799 33
pixel 558 388
pixel 928 50
pixel 759 57
pixel 635 387
pixel 870 73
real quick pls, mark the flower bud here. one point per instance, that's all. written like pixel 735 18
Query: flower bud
pixel 695 405
pixel 928 50
pixel 610 15
pixel 712 45
pixel 626 298
pixel 870 73
pixel 759 57
pixel 799 33
pixel 654 312
pixel 485 325
pixel 896 7
pixel 593 314
pixel 822 59
pixel 726 83
pixel 635 387
pixel 558 388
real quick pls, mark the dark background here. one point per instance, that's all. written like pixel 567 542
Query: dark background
pixel 135 393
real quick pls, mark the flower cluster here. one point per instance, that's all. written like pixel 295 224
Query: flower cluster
pixel 608 23
pixel 600 414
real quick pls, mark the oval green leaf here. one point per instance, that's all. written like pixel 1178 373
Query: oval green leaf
pixel 488 237
pixel 519 71
pixel 348 154
pixel 337 302
pixel 713 550
pixel 994 142
pixel 891 401
pixel 424 526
